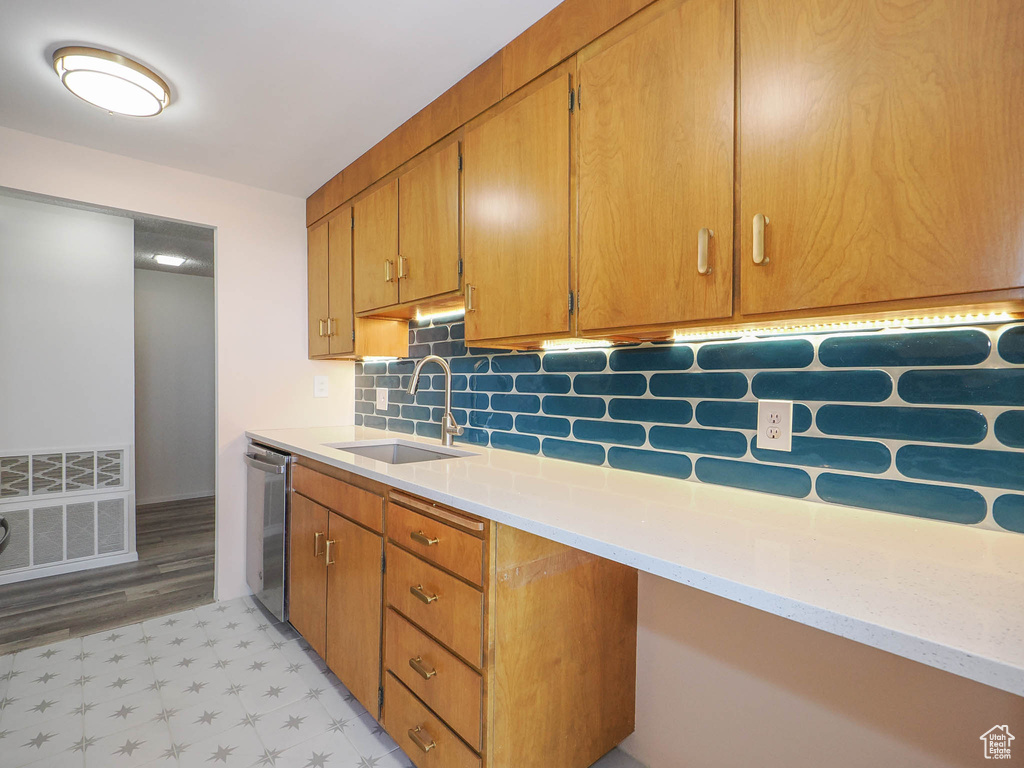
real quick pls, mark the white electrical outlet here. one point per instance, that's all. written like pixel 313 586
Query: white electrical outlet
pixel 775 425
pixel 382 399
pixel 319 386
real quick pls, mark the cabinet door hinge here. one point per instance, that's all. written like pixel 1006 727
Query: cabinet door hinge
pixel 572 302
pixel 460 162
pixel 352 221
pixel 380 698
pixel 353 334
pixel 572 99
pixel 383 562
pixel 460 266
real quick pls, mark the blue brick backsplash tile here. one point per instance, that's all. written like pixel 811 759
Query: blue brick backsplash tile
pixel 932 425
pixel 609 432
pixel 575 362
pixel 656 411
pixel 651 462
pixel 544 383
pixel 610 384
pixel 957 505
pixel 1009 428
pixel 965 386
pixel 717 442
pixel 543 425
pixel 585 453
pixel 514 442
pixel 844 386
pixel 516 403
pixel 966 466
pixel 961 347
pixel 651 359
pixel 1011 345
pixel 782 481
pixel 723 385
pixel 733 415
pixel 793 353
pixel 1008 512
pixel 568 405
pixel 881 420
pixel 830 453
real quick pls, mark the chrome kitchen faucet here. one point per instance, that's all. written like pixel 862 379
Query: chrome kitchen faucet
pixel 449 429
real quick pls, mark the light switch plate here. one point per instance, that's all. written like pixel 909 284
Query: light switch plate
pixel 775 425
pixel 320 386
pixel 382 399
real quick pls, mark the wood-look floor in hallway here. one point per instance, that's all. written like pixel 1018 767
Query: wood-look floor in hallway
pixel 174 572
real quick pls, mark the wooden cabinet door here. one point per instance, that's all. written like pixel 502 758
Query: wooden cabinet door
pixel 307 571
pixel 317 285
pixel 428 232
pixel 516 220
pixel 883 142
pixel 355 609
pixel 375 249
pixel 340 272
pixel 656 167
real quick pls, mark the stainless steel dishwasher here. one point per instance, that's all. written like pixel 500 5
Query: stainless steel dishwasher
pixel 268 482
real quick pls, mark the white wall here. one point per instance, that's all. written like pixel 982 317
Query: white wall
pixel 264 378
pixel 175 389
pixel 66 350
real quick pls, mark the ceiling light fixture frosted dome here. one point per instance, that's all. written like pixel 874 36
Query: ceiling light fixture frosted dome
pixel 111 81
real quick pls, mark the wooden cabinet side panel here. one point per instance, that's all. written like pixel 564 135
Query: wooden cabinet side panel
pixel 355 609
pixel 317 288
pixel 883 142
pixel 563 684
pixel 429 226
pixel 374 242
pixel 517 217
pixel 656 166
pixel 307 576
pixel 340 294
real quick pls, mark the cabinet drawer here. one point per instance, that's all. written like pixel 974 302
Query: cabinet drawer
pixel 450 548
pixel 454 613
pixel 446 684
pixel 354 503
pixel 409 722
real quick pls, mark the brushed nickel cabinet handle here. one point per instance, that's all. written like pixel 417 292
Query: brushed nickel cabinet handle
pixel 470 292
pixel 703 246
pixel 420 669
pixel 760 223
pixel 421 538
pixel 414 734
pixel 403 268
pixel 317 538
pixel 330 551
pixel 417 592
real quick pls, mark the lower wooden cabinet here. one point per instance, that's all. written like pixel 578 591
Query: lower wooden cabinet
pixel 500 649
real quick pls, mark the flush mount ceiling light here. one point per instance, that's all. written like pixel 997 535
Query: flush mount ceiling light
pixel 168 261
pixel 111 81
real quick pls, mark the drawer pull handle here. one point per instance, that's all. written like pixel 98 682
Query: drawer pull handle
pixel 330 551
pixel 417 592
pixel 422 671
pixel 421 538
pixel 414 734
pixel 317 538
pixel 760 222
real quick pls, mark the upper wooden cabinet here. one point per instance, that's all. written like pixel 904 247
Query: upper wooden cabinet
pixel 883 143
pixel 375 249
pixel 517 214
pixel 318 293
pixel 656 168
pixel 428 228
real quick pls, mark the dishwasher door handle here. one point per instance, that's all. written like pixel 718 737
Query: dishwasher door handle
pixel 264 466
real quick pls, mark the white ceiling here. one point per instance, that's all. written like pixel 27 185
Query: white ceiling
pixel 280 95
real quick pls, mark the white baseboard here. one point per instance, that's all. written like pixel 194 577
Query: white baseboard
pixel 69 567
pixel 140 502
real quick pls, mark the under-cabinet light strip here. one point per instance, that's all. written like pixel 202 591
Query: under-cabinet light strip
pixel 568 345
pixel 451 314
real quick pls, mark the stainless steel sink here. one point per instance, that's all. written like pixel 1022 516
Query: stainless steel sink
pixel 398 451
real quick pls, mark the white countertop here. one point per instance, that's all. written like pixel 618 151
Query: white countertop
pixel 946 595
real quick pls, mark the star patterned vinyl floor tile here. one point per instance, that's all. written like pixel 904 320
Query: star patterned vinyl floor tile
pixel 220 686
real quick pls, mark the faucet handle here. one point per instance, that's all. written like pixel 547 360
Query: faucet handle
pixel 450 426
